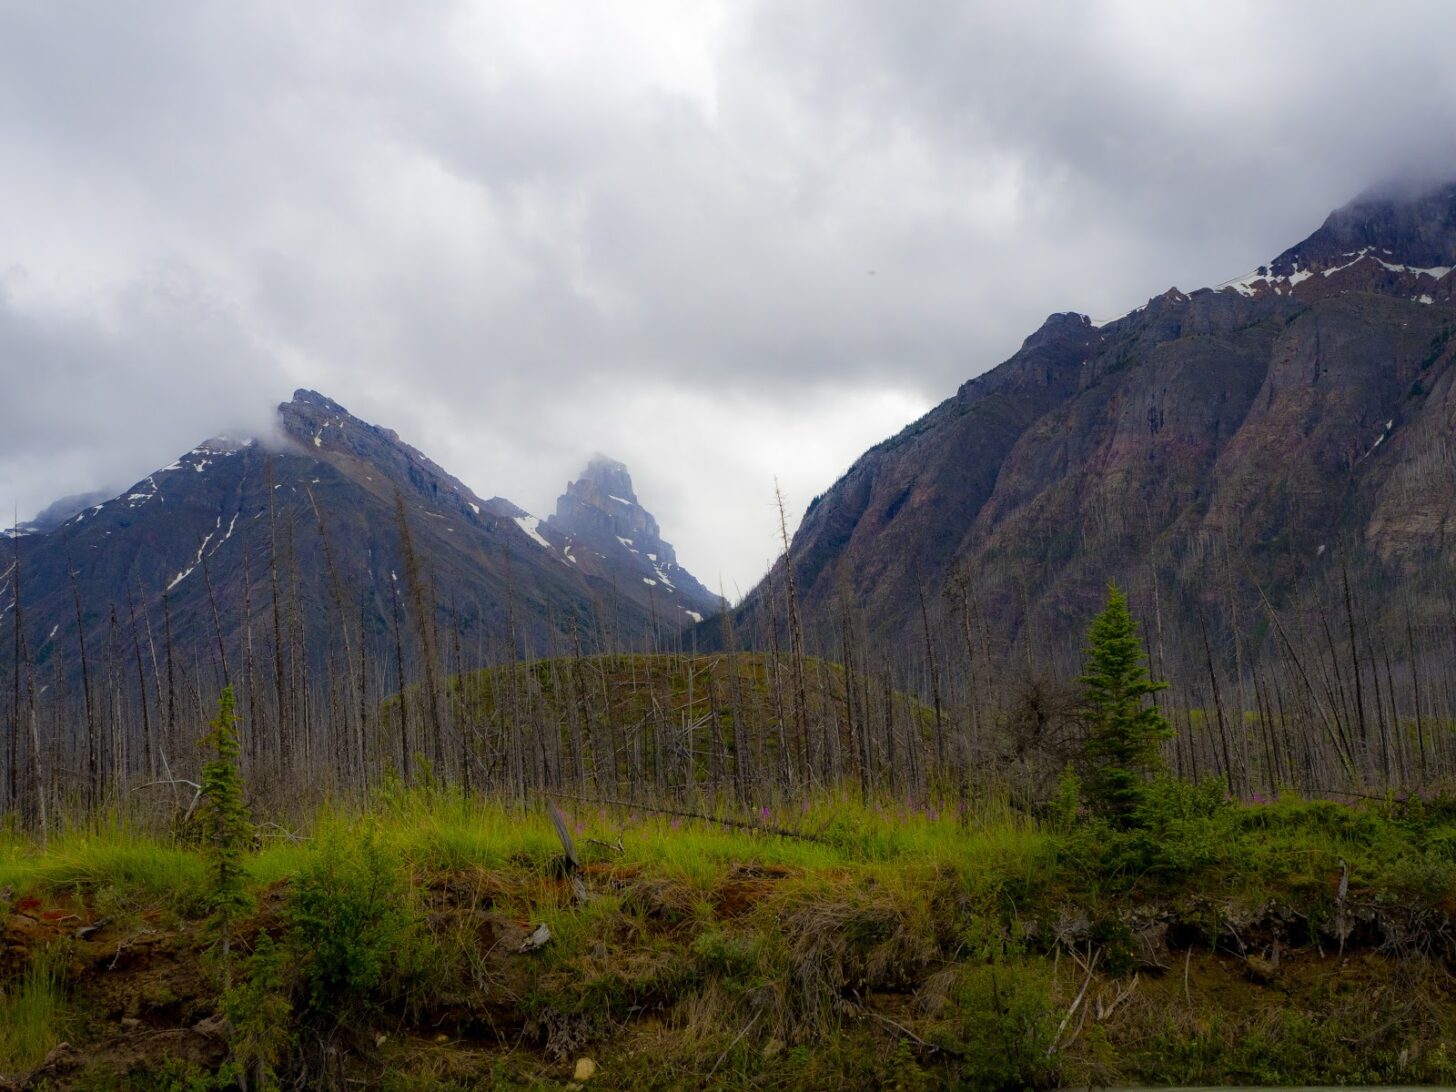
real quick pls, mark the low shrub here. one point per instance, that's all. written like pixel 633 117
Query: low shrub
pixel 1005 1027
pixel 258 1010
pixel 352 926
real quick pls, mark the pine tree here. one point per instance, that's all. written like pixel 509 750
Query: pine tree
pixel 1124 733
pixel 225 824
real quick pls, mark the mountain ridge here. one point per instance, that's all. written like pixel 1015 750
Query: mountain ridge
pixel 326 515
pixel 1264 418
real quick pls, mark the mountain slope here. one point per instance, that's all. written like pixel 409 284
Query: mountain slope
pixel 353 532
pixel 1202 449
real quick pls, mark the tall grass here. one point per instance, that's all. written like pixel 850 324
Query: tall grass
pixel 992 848
pixel 30 1011
pixel 117 856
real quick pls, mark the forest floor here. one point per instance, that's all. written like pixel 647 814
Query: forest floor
pixel 894 946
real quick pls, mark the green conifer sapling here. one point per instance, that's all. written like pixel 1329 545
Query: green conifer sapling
pixel 225 824
pixel 1123 732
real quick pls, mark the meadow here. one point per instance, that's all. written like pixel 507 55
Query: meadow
pixel 820 942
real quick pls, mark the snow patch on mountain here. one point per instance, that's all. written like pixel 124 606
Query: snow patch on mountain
pixel 531 525
pixel 185 573
pixel 1248 284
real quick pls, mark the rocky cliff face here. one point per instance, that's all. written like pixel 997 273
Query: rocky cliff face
pixel 599 510
pixel 1204 448
pixel 601 502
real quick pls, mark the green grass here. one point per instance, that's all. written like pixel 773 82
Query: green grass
pixel 116 856
pixel 950 922
pixel 30 1013
pixel 1256 847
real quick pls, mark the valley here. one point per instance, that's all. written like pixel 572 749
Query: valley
pixel 1096 728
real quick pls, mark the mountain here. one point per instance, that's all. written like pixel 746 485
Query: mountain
pixel 600 514
pixel 57 512
pixel 355 534
pixel 1270 437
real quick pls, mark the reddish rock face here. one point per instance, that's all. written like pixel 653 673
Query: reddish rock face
pixel 1206 445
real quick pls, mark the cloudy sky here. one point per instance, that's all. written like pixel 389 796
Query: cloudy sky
pixel 722 242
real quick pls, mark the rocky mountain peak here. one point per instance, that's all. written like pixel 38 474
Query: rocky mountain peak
pixel 309 416
pixel 1396 239
pixel 305 397
pixel 325 429
pixel 600 506
pixel 1405 224
pixel 600 512
pixel 610 476
pixel 1061 326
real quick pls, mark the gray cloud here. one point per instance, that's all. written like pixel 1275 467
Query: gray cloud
pixel 719 241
